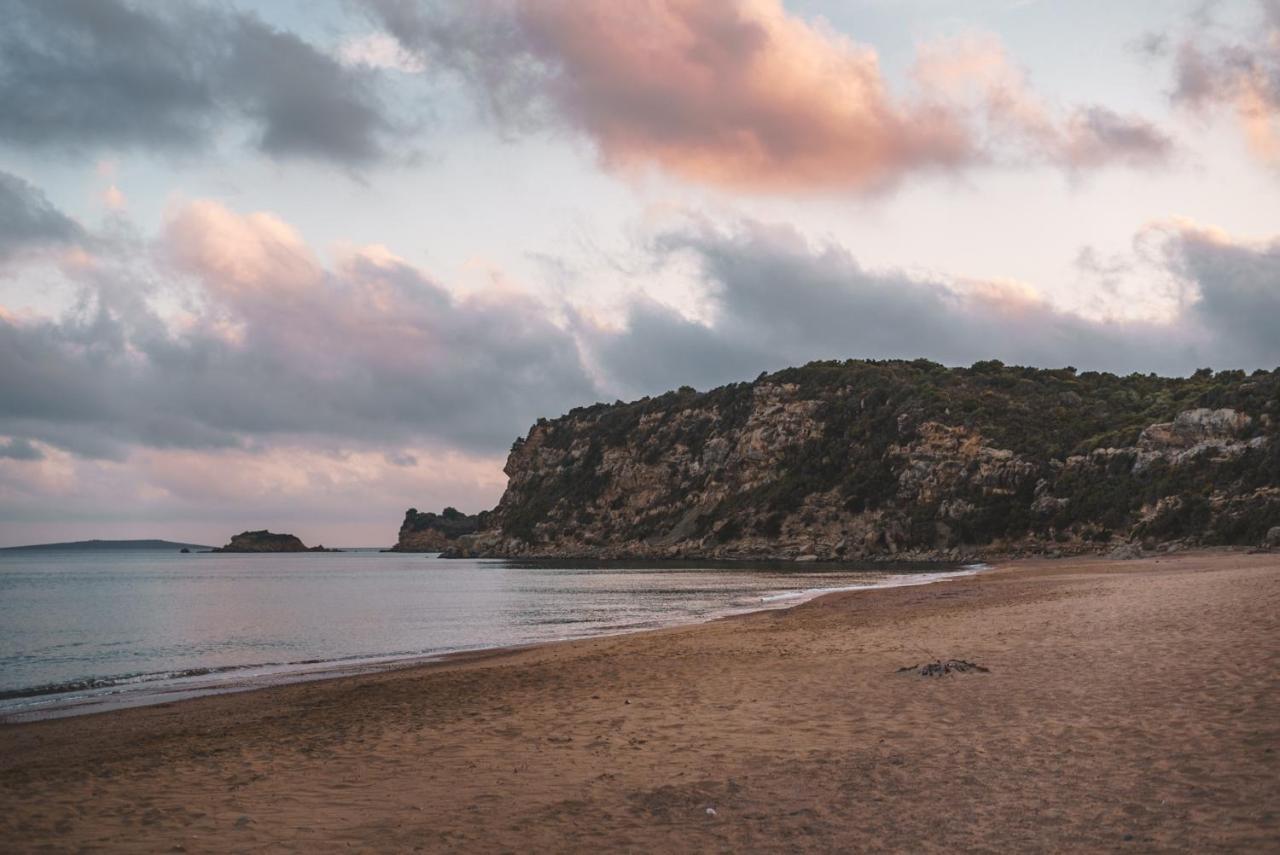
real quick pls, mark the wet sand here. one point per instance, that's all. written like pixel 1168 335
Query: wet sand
pixel 1129 706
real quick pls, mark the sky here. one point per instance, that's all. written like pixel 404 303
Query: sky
pixel 303 265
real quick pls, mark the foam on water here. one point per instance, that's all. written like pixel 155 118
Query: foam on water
pixel 895 581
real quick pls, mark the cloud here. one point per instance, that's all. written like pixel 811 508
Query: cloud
pixel 744 96
pixel 660 349
pixel 271 345
pixel 114 199
pixel 975 71
pixel 1236 291
pixel 28 221
pixel 17 448
pixel 779 301
pixel 1243 77
pixel 78 74
pixel 379 50
pixel 262 344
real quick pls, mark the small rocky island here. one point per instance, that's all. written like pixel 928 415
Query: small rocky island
pixel 266 541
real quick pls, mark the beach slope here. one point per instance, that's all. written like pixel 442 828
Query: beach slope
pixel 1127 705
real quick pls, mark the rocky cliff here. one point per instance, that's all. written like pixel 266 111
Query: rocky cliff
pixel 901 460
pixel 431 532
pixel 266 541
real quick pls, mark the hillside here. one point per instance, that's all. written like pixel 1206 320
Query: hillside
pixel 98 545
pixel 899 459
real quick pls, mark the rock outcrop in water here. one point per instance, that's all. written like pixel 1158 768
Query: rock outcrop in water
pixel 903 460
pixel 266 541
pixel 431 532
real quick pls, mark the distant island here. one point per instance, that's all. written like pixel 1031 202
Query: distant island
pixel 266 541
pixel 901 460
pixel 98 545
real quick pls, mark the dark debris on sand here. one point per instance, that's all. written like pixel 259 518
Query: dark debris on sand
pixel 938 668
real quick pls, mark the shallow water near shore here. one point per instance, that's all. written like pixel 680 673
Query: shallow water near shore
pixel 85 631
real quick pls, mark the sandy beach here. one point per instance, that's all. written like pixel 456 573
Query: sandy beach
pixel 1128 706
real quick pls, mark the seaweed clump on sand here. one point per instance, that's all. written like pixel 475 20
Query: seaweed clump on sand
pixel 938 668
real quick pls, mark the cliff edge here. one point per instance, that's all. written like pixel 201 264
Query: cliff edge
pixel 431 532
pixel 904 460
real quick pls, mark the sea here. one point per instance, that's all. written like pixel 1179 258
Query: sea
pixel 83 631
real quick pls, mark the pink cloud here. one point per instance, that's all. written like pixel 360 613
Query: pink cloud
pixel 1243 78
pixel 114 199
pixel 237 255
pixel 976 74
pixel 745 96
pixel 268 388
pixel 735 94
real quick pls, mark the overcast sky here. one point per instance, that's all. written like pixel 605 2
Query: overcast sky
pixel 302 265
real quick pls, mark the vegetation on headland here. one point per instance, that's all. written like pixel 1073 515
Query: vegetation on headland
pixel 425 531
pixel 901 456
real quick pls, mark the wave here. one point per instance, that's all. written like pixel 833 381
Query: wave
pixel 114 681
pixel 905 580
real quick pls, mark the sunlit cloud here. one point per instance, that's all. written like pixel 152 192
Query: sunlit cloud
pixel 1241 77
pixel 379 50
pixel 746 96
pixel 114 199
pixel 975 70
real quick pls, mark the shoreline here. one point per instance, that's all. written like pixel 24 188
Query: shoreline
pixel 134 691
pixel 1126 703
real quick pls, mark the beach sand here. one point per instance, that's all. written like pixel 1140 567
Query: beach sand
pixel 1129 706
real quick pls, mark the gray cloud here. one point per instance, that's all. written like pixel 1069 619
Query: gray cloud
pixel 660 350
pixel 28 220
pixel 483 41
pixel 372 352
pixel 1238 295
pixel 19 449
pixel 97 387
pixel 1098 135
pixel 779 302
pixel 1243 77
pixel 279 349
pixel 87 73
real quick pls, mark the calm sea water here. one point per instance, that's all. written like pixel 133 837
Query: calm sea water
pixel 84 630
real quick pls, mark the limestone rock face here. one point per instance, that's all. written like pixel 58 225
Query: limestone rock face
pixel 1193 427
pixel 1219 433
pixel 431 532
pixel 901 460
